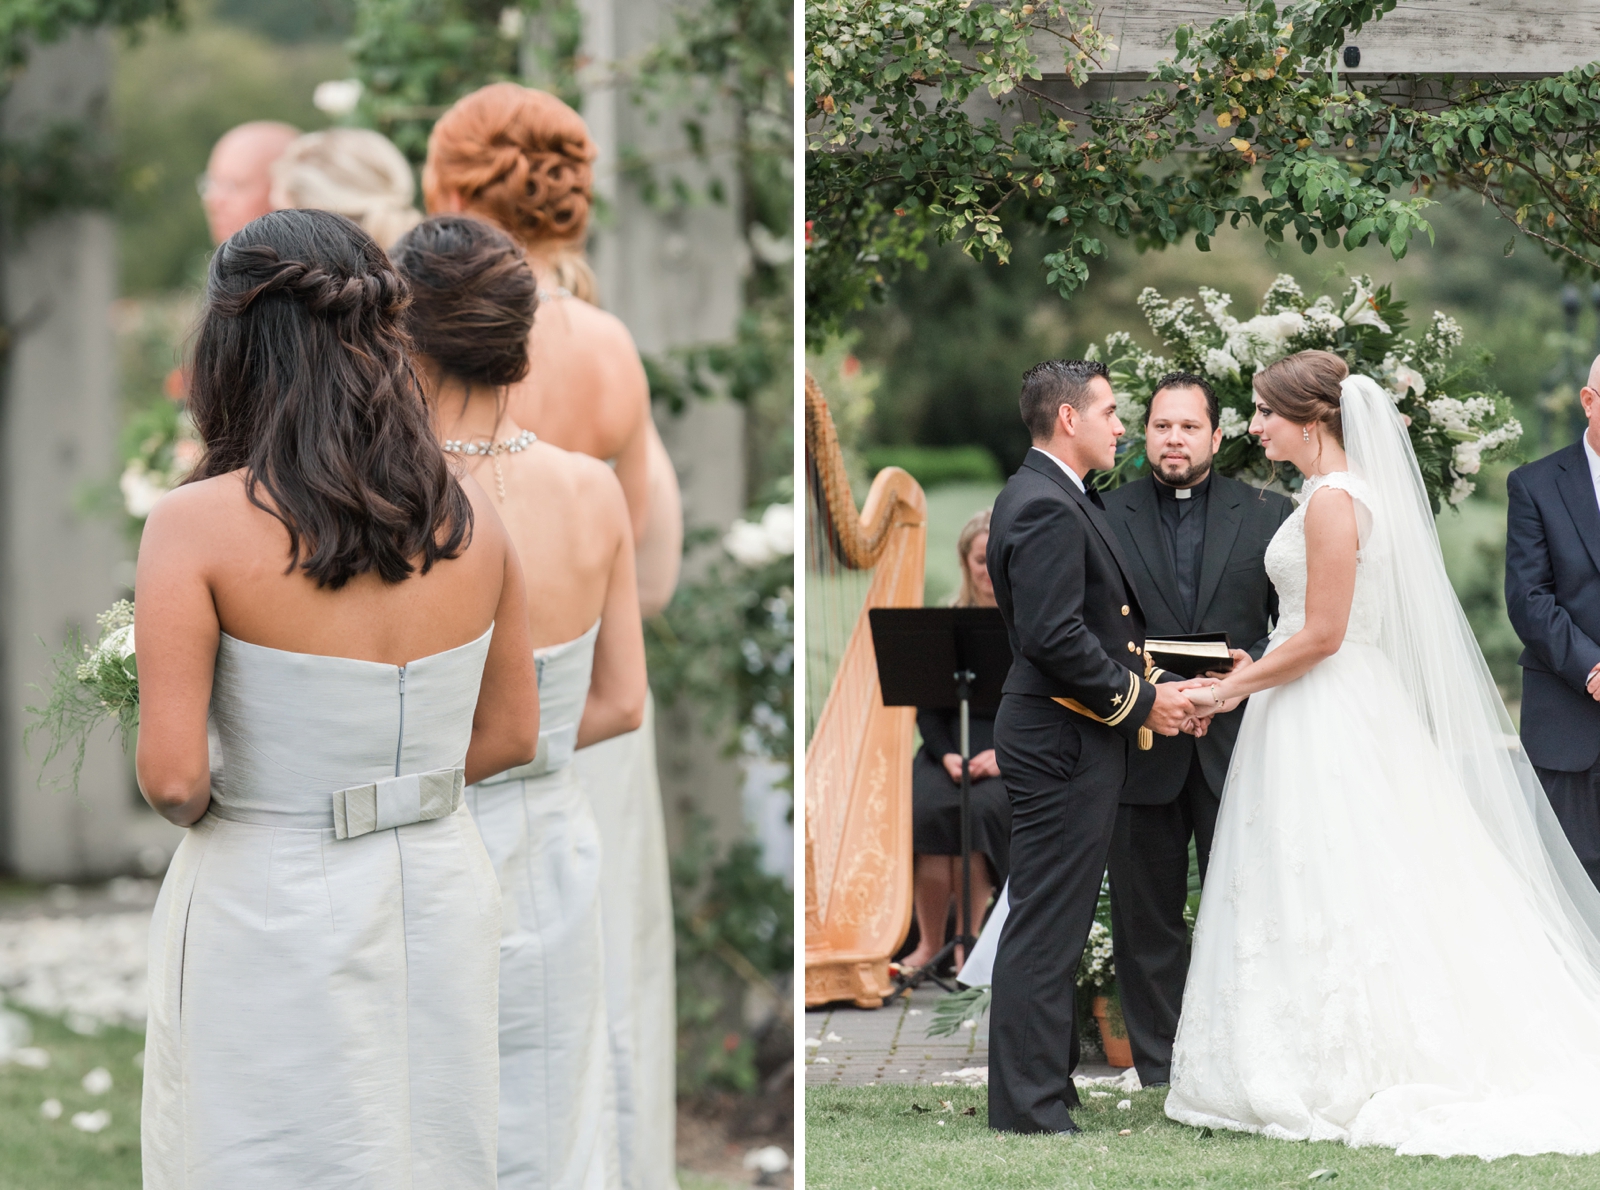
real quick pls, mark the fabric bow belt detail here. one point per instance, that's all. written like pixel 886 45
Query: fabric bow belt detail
pixel 396 801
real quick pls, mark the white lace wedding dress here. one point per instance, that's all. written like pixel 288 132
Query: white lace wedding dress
pixel 1382 955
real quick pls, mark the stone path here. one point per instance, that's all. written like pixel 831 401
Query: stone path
pixel 865 1047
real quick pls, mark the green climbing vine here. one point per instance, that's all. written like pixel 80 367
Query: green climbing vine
pixel 1249 121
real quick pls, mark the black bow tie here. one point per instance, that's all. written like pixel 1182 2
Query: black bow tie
pixel 1094 496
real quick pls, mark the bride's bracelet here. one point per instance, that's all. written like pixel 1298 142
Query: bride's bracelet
pixel 1216 698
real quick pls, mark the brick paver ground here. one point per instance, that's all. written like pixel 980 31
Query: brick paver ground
pixel 848 1046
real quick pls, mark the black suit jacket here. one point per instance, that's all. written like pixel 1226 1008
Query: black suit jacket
pixel 1553 600
pixel 1233 596
pixel 1064 590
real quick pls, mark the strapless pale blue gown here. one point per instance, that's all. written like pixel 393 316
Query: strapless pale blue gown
pixel 558 1126
pixel 322 1009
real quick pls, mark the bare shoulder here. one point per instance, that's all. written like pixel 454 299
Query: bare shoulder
pixel 1331 510
pixel 196 511
pixel 488 530
pixel 589 482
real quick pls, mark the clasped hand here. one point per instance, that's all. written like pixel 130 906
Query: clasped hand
pixel 1179 706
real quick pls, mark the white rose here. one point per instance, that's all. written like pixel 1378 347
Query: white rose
pixel 778 524
pixel 337 97
pixel 749 544
pixel 140 490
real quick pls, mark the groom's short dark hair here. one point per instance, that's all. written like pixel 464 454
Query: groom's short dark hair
pixel 1048 386
pixel 1188 380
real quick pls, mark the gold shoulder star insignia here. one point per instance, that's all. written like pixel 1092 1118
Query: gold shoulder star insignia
pixel 1116 700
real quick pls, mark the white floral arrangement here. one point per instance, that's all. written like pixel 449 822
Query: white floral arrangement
pixel 1096 969
pixel 1456 423
pixel 91 685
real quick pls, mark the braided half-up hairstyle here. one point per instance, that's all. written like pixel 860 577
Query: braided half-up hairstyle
pixel 303 380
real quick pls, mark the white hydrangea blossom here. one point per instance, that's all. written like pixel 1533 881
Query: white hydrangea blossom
pixel 1322 323
pixel 1459 416
pixel 1216 305
pixel 1232 422
pixel 1220 363
pixel 1398 376
pixel 1265 338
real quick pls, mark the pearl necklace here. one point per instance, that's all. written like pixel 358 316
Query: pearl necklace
pixel 507 446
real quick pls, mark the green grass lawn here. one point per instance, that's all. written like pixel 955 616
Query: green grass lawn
pixel 861 1138
pixel 41 1154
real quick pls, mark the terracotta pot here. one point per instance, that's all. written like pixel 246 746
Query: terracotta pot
pixel 1119 1052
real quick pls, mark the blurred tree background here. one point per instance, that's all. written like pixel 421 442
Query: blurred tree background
pixel 944 357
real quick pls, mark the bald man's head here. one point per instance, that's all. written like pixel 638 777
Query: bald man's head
pixel 238 176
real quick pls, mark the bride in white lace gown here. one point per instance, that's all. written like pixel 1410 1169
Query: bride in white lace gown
pixel 1388 888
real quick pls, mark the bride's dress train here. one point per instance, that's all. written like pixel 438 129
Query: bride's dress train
pixel 1370 943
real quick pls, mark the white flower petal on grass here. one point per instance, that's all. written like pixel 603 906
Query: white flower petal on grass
pixel 32 1057
pixel 1124 1104
pixel 91 1121
pixel 833 1037
pixel 767 1159
pixel 826 1061
pixel 337 97
pixel 813 1042
pixel 97 1081
pixel 50 1109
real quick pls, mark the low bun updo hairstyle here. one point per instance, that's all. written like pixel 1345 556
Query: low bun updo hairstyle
pixel 1304 388
pixel 303 380
pixel 473 297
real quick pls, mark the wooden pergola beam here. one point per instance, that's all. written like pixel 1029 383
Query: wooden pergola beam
pixel 1464 38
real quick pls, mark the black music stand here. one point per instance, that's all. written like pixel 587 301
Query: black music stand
pixel 933 658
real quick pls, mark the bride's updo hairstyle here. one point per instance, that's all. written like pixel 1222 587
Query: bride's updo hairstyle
pixel 1304 387
pixel 525 161
pixel 472 298
pixel 303 380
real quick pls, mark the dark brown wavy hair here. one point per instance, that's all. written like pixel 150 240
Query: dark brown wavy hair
pixel 303 380
pixel 472 298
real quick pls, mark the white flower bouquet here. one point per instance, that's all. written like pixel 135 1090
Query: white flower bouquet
pixel 1456 423
pixel 91 685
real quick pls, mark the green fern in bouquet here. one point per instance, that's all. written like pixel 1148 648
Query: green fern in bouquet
pixel 90 685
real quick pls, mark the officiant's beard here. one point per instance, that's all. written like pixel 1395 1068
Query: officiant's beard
pixel 1187 476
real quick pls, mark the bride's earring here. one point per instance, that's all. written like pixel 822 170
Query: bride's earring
pixel 1305 433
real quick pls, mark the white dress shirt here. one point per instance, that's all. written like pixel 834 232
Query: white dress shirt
pixel 1073 475
pixel 1594 465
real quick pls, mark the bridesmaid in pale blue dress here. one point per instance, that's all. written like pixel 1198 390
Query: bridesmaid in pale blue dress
pixel 473 302
pixel 324 953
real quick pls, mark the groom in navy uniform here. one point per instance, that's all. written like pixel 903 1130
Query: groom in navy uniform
pixel 1073 704
pixel 1553 600
pixel 1196 541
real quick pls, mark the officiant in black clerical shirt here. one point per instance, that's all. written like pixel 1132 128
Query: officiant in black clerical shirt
pixel 1195 541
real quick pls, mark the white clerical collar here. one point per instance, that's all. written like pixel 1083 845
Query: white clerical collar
pixel 1071 474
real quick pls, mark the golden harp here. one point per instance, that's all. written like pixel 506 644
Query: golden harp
pixel 858 758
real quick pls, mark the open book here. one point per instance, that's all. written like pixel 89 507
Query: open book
pixel 1192 655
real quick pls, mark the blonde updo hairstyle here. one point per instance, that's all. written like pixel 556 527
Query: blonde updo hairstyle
pixel 978 523
pixel 1304 388
pixel 353 172
pixel 524 160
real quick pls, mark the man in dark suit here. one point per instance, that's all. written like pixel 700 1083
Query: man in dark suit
pixel 1077 633
pixel 1195 541
pixel 1553 599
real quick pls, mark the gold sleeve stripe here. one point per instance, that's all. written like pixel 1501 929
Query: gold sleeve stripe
pixel 1155 674
pixel 1129 700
